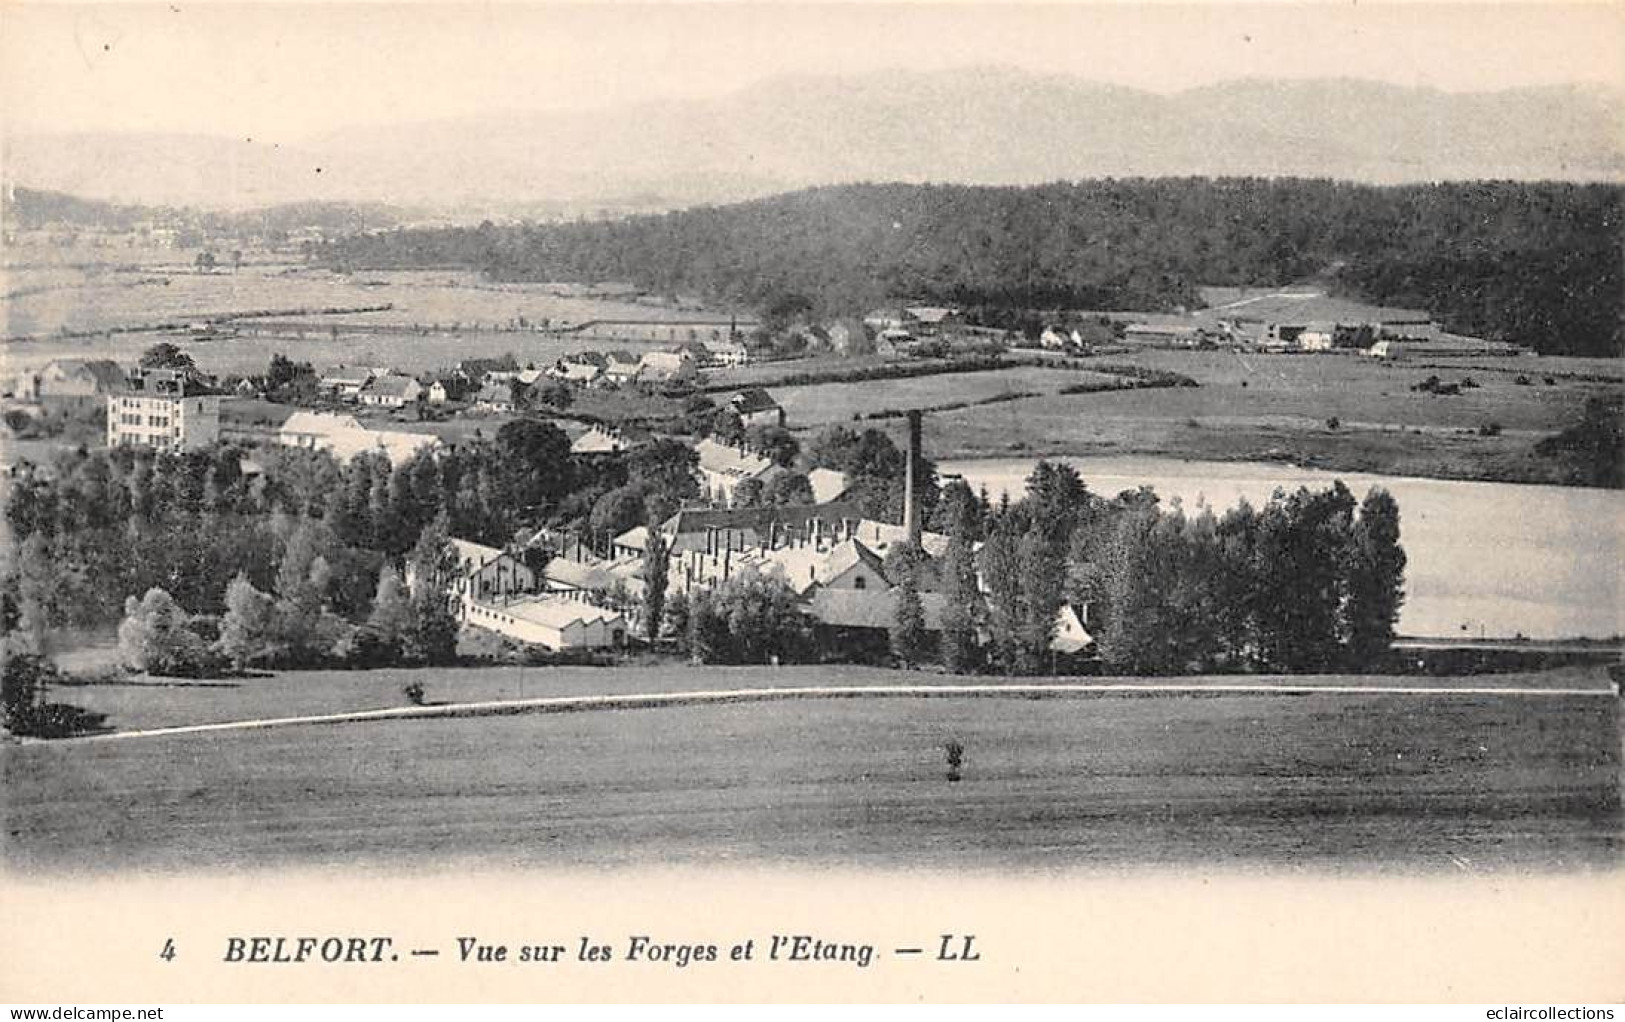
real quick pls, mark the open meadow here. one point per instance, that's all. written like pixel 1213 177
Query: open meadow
pixel 1318 782
pixel 464 316
pixel 823 404
pixel 1334 411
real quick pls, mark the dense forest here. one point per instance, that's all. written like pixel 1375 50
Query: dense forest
pixel 1534 263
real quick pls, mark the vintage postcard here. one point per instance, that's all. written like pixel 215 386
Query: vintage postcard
pixel 812 502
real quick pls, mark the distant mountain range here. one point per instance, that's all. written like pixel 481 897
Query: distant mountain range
pixel 980 125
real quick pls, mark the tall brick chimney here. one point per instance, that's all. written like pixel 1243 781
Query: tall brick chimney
pixel 911 509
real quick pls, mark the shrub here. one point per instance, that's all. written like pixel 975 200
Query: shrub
pixel 413 691
pixel 156 637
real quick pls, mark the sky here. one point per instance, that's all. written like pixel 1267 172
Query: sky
pixel 291 72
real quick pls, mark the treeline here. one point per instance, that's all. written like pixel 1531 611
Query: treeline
pixel 1534 263
pixel 1312 581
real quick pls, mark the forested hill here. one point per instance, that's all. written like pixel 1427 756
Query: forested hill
pixel 1535 263
pixel 34 208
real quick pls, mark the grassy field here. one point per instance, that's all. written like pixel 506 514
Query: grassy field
pixel 1318 782
pixel 42 302
pixel 1262 408
pixel 141 703
pixel 823 404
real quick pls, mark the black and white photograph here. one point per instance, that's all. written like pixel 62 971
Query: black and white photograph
pixel 852 445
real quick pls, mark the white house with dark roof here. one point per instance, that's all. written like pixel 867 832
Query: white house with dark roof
pixel 486 574
pixel 756 407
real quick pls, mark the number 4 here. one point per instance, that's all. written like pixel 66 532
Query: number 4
pixel 168 953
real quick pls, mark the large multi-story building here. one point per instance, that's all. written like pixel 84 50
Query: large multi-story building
pixel 165 409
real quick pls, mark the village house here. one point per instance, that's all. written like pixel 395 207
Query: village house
pixel 882 320
pixel 486 574
pixel 72 383
pixel 696 352
pixel 496 397
pixel 755 407
pixel 667 367
pixel 930 319
pixel 166 409
pixel 345 381
pixel 621 367
pixel 727 353
pixel 895 343
pixel 391 390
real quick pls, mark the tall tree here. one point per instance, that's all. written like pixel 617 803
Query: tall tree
pixel 1376 580
pixel 908 633
pixel 392 622
pixel 248 631
pixel 433 570
pixel 165 355
pixel 963 612
pixel 656 569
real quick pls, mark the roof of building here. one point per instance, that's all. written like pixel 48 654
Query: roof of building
pixel 804 567
pixel 560 612
pixel 477 554
pixel 870 608
pixel 106 374
pixel 578 575
pixel 634 539
pixel 728 460
pixel 165 383
pixel 319 423
pixel 827 484
pixel 881 535
pixel 392 385
pixel 495 393
pixel 357 375
pixel 580 371
pixel 599 440
pixel 395 445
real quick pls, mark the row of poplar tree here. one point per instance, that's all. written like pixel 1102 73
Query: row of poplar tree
pixel 1312 581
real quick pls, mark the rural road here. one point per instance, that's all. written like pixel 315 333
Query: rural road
pixel 651 700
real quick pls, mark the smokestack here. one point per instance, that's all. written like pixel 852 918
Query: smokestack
pixel 911 513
